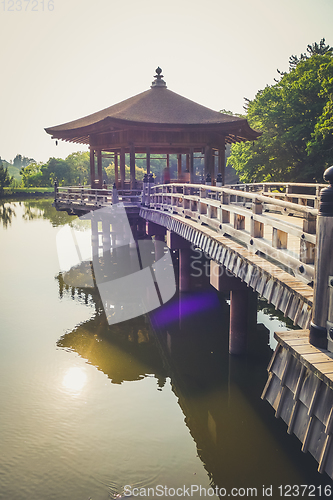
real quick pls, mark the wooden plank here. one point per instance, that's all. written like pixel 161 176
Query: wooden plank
pixel 305 349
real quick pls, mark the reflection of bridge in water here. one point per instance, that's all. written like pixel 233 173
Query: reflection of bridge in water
pixel 218 394
pixel 253 247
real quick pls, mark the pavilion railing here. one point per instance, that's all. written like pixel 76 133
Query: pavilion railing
pixel 256 220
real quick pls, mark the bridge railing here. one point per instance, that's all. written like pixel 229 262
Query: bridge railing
pixel 306 194
pixel 83 196
pixel 257 220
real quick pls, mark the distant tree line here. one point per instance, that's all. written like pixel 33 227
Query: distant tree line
pixel 295 116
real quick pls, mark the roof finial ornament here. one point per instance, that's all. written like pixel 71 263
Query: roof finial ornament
pixel 158 82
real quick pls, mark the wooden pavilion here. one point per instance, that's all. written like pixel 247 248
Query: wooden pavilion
pixel 157 121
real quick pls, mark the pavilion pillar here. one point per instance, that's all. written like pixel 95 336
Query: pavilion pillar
pixel 92 167
pixel 221 164
pixel 191 166
pixel 122 167
pixel 148 160
pixel 99 169
pixel 132 166
pixel 212 172
pixel 187 174
pixel 179 166
pixel 116 176
pixel 208 160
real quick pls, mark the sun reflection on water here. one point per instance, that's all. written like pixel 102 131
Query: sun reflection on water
pixel 75 379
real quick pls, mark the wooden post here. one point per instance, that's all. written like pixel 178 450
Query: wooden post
pixel 92 167
pixel 191 166
pixel 320 327
pixel 179 166
pixel 221 164
pixel 122 167
pixel 208 159
pixel 132 166
pixel 187 176
pixel 116 175
pixel 212 168
pixel 99 169
pixel 148 160
pixel 307 249
pixel 256 228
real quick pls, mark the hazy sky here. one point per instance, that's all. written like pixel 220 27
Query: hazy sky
pixel 85 55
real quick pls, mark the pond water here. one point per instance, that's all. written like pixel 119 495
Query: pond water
pixel 152 407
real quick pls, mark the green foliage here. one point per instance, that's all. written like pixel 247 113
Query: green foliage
pixel 295 118
pixel 109 170
pixel 5 178
pixel 74 170
pixel 22 161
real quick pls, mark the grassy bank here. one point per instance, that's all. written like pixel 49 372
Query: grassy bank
pixel 26 192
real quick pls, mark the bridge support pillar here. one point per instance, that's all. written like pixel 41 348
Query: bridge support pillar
pixel 240 295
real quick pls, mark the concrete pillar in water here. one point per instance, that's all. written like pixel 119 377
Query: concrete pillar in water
pixel 322 315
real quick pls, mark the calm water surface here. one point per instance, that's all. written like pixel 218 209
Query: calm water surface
pixel 87 409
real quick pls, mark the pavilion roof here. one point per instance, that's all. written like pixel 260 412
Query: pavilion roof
pixel 157 107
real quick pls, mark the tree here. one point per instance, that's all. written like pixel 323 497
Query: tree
pixel 73 170
pixel 5 178
pixel 316 48
pixel 295 118
pixel 22 161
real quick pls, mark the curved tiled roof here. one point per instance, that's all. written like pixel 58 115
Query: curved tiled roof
pixel 157 107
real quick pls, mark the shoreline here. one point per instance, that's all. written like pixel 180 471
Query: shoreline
pixel 26 194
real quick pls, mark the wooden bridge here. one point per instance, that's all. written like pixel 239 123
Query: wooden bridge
pixel 265 234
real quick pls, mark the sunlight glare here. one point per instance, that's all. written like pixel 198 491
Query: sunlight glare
pixel 75 379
